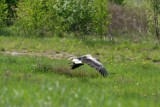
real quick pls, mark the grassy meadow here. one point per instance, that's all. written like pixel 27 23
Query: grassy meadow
pixel 40 81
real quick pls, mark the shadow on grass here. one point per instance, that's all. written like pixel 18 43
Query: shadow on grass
pixel 63 70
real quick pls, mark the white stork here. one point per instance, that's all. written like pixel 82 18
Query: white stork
pixel 88 59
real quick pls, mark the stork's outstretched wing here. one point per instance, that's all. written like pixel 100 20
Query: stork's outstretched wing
pixel 92 62
pixel 88 59
pixel 103 71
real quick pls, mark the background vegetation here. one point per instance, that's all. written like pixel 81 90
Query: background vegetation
pixel 38 36
pixel 101 18
pixel 39 17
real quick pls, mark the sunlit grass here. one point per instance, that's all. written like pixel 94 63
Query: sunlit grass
pixel 39 81
pixel 44 82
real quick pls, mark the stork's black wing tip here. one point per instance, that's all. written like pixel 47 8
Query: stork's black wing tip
pixel 103 72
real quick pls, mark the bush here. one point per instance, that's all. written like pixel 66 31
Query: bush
pixel 31 17
pixel 3 13
pixel 39 17
pixel 127 19
pixel 120 2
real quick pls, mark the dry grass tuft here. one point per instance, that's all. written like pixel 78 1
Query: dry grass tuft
pixel 63 70
pixel 73 73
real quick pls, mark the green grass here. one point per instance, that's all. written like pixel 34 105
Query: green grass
pixel 27 81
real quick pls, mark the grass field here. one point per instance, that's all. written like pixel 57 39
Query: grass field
pixel 38 81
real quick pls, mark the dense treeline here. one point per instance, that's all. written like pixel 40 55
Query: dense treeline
pixel 39 17
pixel 81 17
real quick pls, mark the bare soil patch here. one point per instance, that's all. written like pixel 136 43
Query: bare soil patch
pixel 49 54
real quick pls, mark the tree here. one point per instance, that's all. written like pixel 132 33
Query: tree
pixel 155 5
pixel 11 11
pixel 3 13
pixel 101 16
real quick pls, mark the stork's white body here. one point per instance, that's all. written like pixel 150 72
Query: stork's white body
pixel 77 61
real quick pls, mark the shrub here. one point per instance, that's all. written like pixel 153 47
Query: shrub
pixel 39 17
pixel 120 2
pixel 32 18
pixel 3 13
pixel 128 19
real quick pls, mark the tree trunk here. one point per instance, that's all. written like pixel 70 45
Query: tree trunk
pixel 156 27
pixel 156 23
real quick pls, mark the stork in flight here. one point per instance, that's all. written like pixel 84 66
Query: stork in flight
pixel 92 62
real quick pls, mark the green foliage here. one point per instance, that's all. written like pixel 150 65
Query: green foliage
pixel 39 17
pixel 154 17
pixel 120 2
pixel 3 12
pixel 101 18
pixel 8 12
pixel 76 15
pixel 31 16
pixel 155 4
